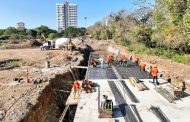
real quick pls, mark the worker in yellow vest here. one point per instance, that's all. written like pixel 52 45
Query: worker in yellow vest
pixel 70 45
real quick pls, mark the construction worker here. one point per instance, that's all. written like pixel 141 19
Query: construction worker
pixel 110 59
pixel 102 62
pixel 121 59
pixel 150 71
pixel 94 63
pixel 70 45
pixel 142 66
pixel 154 73
pixel 76 87
pixel 136 61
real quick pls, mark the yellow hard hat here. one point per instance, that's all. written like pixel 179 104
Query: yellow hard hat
pixel 155 65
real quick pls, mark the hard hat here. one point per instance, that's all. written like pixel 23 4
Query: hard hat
pixel 155 65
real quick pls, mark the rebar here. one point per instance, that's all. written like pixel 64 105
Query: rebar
pixel 133 107
pixel 125 109
pixel 63 114
pixel 129 92
pixel 165 94
pixel 159 114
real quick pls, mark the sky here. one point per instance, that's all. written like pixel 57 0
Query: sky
pixel 43 12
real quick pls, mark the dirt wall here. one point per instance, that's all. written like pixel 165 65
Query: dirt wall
pixel 51 101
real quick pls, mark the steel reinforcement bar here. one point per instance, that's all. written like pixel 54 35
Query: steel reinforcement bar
pixel 125 109
pixel 63 114
pixel 159 114
pixel 129 92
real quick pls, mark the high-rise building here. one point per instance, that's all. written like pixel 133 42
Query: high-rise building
pixel 20 26
pixel 66 15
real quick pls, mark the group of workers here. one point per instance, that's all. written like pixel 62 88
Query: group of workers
pixel 153 70
pixel 122 58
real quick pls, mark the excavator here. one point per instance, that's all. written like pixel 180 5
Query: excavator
pixel 46 45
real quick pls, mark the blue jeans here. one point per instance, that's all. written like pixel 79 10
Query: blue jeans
pixel 155 78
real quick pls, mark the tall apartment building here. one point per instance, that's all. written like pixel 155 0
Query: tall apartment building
pixel 20 26
pixel 66 15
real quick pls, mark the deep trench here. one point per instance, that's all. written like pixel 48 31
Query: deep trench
pixel 51 102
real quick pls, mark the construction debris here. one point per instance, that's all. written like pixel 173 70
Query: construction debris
pixel 136 83
pixel 88 86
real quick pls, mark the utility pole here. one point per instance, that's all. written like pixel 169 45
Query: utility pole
pixel 85 18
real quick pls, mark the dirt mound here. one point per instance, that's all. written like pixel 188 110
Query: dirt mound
pixel 30 43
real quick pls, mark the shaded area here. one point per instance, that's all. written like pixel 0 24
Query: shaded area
pixel 125 109
pixel 159 114
pixel 129 92
pixel 132 71
pixel 101 73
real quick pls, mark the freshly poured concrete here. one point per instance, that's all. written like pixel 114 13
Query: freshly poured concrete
pixel 87 110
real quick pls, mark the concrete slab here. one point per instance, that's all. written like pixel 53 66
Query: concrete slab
pixel 87 109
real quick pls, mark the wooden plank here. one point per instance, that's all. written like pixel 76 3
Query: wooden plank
pixel 140 86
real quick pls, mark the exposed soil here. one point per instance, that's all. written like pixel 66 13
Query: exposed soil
pixel 17 98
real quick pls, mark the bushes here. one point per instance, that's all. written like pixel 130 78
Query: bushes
pixel 162 52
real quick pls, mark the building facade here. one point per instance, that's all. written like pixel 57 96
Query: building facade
pixel 20 26
pixel 66 16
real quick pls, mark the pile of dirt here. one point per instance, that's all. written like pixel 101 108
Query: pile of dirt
pixel 30 43
pixel 22 44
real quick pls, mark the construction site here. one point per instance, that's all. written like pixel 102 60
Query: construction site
pixel 37 86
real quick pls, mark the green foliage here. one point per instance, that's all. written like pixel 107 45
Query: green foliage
pixel 10 30
pixel 44 30
pixel 52 36
pixel 74 32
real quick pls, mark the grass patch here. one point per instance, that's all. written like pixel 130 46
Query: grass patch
pixel 140 48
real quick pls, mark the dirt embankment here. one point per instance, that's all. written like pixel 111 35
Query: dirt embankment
pixel 29 100
pixel 177 72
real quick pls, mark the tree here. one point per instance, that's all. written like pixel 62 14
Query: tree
pixel 52 36
pixel 10 30
pixel 44 30
pixel 32 33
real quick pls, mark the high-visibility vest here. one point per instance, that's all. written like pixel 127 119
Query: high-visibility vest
pixel 122 58
pixel 142 65
pixel 154 72
pixel 76 85
pixel 136 59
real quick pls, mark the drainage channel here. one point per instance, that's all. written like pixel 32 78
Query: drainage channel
pixel 125 109
pixel 69 111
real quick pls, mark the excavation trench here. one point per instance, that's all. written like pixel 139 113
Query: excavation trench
pixel 51 102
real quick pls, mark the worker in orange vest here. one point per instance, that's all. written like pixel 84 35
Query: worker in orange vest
pixel 154 73
pixel 76 87
pixel 136 61
pixel 94 63
pixel 142 66
pixel 110 59
pixel 121 59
